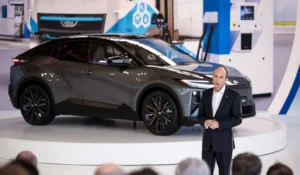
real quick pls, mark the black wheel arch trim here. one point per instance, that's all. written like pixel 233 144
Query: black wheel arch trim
pixel 160 86
pixel 31 81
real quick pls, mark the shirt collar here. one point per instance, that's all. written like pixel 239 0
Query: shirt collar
pixel 221 91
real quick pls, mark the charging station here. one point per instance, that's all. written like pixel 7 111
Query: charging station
pixel 251 38
pixel 240 37
pixel 11 19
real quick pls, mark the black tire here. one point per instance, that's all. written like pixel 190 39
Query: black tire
pixel 35 105
pixel 165 120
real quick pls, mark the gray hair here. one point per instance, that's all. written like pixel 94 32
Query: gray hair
pixel 192 166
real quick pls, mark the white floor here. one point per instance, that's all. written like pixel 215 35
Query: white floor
pixel 95 131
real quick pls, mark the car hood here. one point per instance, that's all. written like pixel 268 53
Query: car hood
pixel 205 70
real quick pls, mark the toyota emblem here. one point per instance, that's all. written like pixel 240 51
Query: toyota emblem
pixel 68 23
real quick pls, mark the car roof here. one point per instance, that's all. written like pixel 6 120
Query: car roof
pixel 109 35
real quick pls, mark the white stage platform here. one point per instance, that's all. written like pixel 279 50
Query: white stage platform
pixel 73 140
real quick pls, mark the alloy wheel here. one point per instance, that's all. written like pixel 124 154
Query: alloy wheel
pixel 159 113
pixel 34 105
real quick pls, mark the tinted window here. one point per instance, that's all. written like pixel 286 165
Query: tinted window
pixel 73 51
pixel 46 49
pixel 146 56
pixel 170 51
pixel 101 53
pixel 157 52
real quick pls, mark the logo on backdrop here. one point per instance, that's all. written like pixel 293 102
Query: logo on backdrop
pixel 68 23
pixel 142 16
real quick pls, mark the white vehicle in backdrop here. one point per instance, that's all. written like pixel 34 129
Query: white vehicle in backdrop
pixel 49 19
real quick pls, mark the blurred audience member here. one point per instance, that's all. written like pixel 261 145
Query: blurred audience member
pixel 279 169
pixel 19 167
pixel 246 163
pixel 27 156
pixel 192 166
pixel 109 169
pixel 145 171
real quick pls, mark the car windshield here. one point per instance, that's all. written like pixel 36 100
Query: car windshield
pixel 170 51
pixel 157 52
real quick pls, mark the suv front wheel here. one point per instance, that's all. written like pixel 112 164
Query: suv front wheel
pixel 160 114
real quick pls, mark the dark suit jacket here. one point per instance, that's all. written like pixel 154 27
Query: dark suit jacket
pixel 228 115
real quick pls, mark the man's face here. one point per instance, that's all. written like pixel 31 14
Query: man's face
pixel 219 78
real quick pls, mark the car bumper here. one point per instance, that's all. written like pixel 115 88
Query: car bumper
pixel 13 99
pixel 249 110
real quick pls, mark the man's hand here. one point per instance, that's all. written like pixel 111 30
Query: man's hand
pixel 214 125
pixel 207 123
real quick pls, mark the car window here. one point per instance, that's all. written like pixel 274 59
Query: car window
pixel 74 51
pixel 173 53
pixel 45 49
pixel 100 53
pixel 112 51
pixel 147 57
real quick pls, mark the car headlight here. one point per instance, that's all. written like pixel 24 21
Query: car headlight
pixel 203 84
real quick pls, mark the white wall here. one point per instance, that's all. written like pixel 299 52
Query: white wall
pixel 3 2
pixel 285 10
pixel 188 14
pixel 189 17
pixel 289 77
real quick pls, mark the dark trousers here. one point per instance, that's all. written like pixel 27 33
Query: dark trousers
pixel 223 160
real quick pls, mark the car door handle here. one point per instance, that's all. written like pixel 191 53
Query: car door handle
pixel 88 72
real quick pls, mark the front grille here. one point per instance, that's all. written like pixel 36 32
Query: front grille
pixel 56 26
pixel 247 110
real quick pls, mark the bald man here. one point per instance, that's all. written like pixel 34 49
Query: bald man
pixel 219 112
pixel 28 157
pixel 109 169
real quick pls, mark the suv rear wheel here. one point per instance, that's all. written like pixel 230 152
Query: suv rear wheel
pixel 36 106
pixel 160 114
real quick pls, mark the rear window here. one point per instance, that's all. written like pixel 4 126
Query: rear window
pixel 45 49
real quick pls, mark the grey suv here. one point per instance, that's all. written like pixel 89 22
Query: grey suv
pixel 116 76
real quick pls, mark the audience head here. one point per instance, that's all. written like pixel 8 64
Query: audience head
pixel 192 166
pixel 145 171
pixel 246 163
pixel 27 156
pixel 279 169
pixel 17 167
pixel 109 169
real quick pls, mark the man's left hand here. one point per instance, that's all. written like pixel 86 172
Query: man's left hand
pixel 214 125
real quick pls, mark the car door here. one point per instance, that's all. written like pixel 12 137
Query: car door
pixel 70 56
pixel 106 88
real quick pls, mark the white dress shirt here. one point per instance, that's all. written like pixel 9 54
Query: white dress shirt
pixel 216 99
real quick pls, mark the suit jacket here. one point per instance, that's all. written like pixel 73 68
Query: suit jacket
pixel 228 115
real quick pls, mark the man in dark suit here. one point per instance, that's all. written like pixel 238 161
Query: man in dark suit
pixel 219 112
